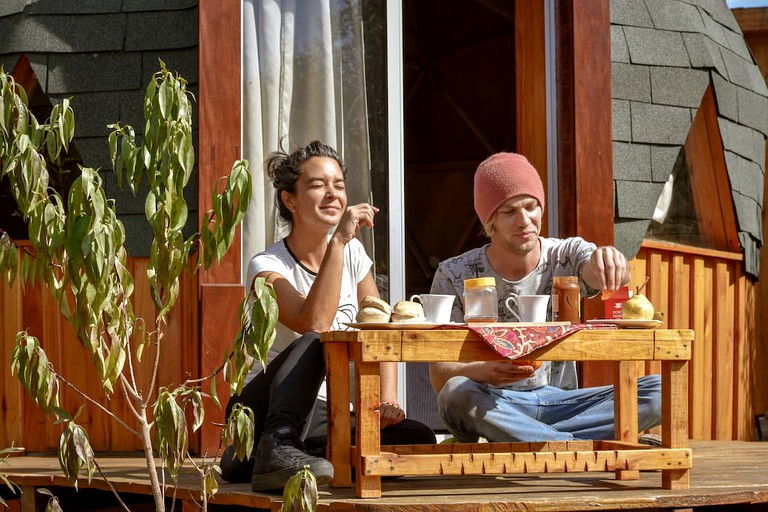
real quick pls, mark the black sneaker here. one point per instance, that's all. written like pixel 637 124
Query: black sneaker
pixel 279 457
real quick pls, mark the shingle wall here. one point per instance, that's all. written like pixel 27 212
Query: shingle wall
pixel 664 54
pixel 101 54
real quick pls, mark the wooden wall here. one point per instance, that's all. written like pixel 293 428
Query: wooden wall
pixel 706 291
pixel 22 423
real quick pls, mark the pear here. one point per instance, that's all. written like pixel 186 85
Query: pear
pixel 637 308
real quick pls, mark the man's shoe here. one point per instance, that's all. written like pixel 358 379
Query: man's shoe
pixel 279 457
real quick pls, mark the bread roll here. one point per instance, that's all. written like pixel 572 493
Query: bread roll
pixel 372 315
pixel 408 311
pixel 373 309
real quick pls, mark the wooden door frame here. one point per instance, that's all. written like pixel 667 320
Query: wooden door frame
pixel 219 136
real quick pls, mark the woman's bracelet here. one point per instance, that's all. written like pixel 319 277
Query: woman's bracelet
pixel 384 402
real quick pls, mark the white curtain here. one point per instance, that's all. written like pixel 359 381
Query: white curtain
pixel 303 80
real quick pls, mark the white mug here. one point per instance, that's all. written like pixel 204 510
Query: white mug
pixel 437 308
pixel 530 308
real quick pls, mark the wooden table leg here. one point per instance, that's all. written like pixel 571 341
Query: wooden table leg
pixel 625 409
pixel 674 418
pixel 339 424
pixel 368 432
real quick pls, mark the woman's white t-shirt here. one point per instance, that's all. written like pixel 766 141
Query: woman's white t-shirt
pixel 278 258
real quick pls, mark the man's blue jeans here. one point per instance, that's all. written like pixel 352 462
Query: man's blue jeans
pixel 471 410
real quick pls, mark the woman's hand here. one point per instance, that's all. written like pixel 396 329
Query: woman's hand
pixel 390 413
pixel 353 219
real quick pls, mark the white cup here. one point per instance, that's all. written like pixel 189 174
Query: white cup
pixel 437 308
pixel 530 308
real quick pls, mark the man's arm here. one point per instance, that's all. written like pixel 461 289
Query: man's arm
pixel 494 373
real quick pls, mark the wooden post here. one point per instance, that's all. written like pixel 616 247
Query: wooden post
pixel 625 406
pixel 674 418
pixel 367 433
pixel 531 86
pixel 219 147
pixel 339 424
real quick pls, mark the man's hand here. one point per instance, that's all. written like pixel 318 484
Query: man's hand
pixel 500 373
pixel 493 373
pixel 607 269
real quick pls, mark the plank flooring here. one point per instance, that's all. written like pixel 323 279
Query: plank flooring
pixel 725 474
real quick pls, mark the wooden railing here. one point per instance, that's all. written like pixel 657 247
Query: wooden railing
pixel 33 309
pixel 706 291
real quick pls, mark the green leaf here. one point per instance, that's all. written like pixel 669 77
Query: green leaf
pixel 211 483
pixel 170 431
pixel 214 395
pixel 239 431
pixel 75 452
pixel 300 492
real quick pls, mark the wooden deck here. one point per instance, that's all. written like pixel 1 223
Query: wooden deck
pixel 725 474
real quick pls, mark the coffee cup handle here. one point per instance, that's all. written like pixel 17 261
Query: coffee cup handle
pixel 416 298
pixel 513 312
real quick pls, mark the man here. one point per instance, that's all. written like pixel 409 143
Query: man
pixel 507 402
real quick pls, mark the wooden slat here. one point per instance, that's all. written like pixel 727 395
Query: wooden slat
pixel 35 424
pixel 577 348
pixel 678 310
pixel 526 462
pixel 703 325
pixel 690 250
pixel 722 370
pixel 673 345
pixel 11 392
pixel 657 291
pixel 742 388
pixel 381 351
pixel 541 446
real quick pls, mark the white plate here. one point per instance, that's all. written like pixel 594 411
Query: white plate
pixel 628 324
pixel 397 326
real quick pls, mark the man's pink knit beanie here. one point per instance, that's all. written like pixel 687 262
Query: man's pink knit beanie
pixel 502 176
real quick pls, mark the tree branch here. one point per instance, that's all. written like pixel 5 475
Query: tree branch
pixel 97 404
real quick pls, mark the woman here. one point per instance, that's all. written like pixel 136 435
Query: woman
pixel 319 279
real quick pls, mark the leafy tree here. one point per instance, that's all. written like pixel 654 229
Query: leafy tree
pixel 77 250
pixel 4 453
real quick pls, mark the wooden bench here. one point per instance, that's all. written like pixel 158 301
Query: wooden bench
pixel 629 348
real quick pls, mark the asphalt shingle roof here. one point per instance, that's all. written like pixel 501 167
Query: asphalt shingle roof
pixel 678 48
pixel 101 54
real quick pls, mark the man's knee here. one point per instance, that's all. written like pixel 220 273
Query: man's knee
pixel 458 394
pixel 649 400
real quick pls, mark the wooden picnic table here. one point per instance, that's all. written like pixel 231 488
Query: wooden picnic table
pixel 629 348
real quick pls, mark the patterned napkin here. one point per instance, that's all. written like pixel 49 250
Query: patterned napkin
pixel 514 342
